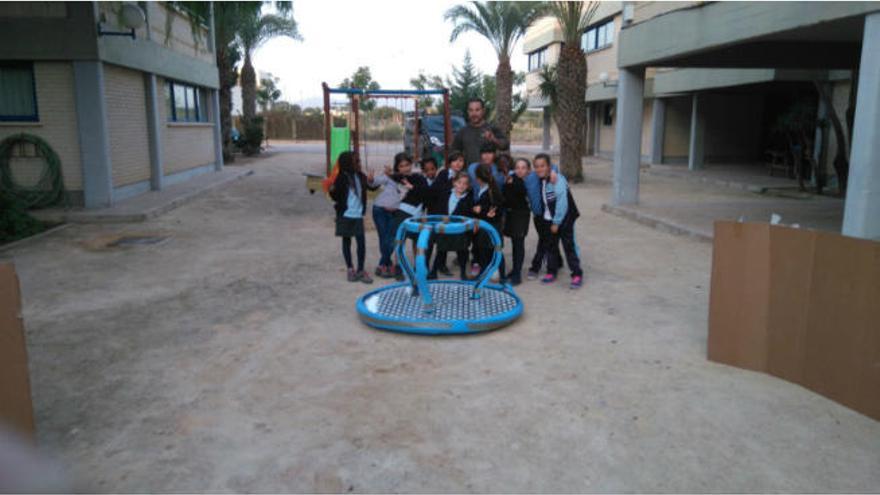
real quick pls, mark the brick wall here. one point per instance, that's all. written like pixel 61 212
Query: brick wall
pixel 184 145
pixel 57 125
pixel 173 30
pixel 127 125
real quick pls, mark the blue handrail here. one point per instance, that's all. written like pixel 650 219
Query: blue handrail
pixel 424 227
pixel 402 92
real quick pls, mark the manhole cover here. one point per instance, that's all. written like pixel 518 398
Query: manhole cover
pixel 137 241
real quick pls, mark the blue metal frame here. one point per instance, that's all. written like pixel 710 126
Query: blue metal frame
pixel 402 92
pixel 417 280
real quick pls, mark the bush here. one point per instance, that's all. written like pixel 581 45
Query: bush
pixel 252 138
pixel 15 222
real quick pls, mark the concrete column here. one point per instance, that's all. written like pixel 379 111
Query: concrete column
pixel 861 214
pixel 696 151
pixel 548 122
pixel 94 139
pixel 588 131
pixel 154 133
pixel 628 138
pixel 218 139
pixel 658 129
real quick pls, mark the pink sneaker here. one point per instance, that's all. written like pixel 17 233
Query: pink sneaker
pixel 548 279
pixel 576 282
pixel 475 270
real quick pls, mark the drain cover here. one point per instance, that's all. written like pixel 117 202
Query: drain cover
pixel 137 241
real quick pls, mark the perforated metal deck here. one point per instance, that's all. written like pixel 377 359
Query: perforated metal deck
pixel 454 311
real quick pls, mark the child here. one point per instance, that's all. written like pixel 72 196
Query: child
pixel 438 196
pixel 429 169
pixel 413 189
pixel 458 201
pixel 505 167
pixel 430 197
pixel 488 202
pixel 384 207
pixel 412 185
pixel 533 189
pixel 445 177
pixel 349 191
pixel 487 162
pixel 557 224
pixel 516 219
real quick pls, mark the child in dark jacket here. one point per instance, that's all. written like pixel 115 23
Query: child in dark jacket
pixel 488 202
pixel 557 224
pixel 349 192
pixel 438 194
pixel 518 213
pixel 413 187
pixel 458 201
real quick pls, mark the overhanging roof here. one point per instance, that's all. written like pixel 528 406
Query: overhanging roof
pixel 749 34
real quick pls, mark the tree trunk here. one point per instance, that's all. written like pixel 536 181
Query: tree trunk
pixel 572 79
pixel 841 157
pixel 248 89
pixel 504 96
pixel 227 81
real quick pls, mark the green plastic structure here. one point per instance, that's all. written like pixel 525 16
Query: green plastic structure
pixel 340 140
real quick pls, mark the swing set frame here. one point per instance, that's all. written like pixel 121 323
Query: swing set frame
pixel 358 95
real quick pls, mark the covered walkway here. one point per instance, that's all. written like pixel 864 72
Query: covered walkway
pixel 748 36
pixel 688 203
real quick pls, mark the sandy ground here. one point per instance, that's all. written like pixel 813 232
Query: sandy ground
pixel 230 358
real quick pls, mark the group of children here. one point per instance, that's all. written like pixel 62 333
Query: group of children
pixel 497 189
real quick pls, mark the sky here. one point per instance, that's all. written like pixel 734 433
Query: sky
pixel 395 39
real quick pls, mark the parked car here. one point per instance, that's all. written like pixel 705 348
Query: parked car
pixel 432 135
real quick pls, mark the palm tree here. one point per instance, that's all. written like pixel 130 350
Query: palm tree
pixel 256 28
pixel 502 23
pixel 571 83
pixel 227 22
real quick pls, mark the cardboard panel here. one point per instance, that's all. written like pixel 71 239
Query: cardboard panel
pixel 842 358
pixel 738 301
pixel 15 392
pixel 801 305
pixel 791 261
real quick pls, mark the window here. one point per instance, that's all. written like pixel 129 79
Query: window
pixel 598 36
pixel 18 95
pixel 185 103
pixel 538 59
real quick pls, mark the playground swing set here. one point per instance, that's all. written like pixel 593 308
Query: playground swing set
pixel 417 305
pixel 354 134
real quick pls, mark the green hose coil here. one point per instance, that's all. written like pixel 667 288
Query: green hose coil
pixel 48 191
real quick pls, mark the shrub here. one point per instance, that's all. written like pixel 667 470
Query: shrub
pixel 252 138
pixel 15 222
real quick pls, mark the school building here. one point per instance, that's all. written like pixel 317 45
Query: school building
pixel 703 83
pixel 125 93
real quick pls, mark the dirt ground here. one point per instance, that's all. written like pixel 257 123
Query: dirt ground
pixel 230 358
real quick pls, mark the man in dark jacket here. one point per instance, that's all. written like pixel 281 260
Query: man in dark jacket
pixel 472 137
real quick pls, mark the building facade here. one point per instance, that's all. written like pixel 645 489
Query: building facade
pixel 738 104
pixel 712 83
pixel 125 114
